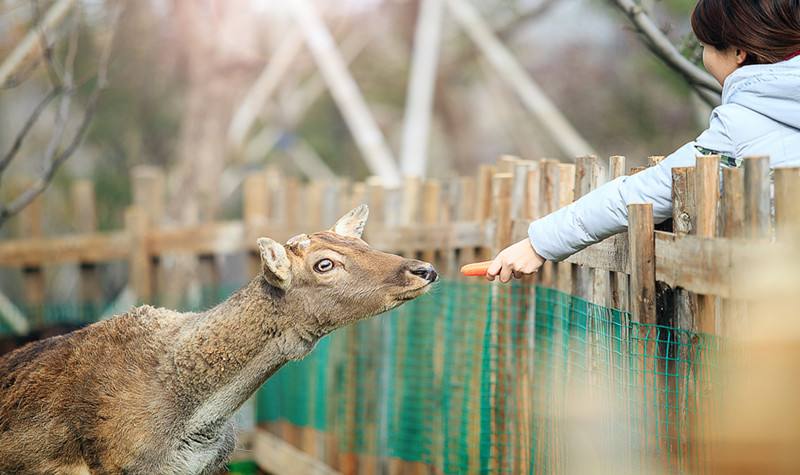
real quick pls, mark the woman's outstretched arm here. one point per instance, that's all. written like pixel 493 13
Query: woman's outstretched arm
pixel 604 211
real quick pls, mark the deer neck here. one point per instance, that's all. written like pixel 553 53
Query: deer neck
pixel 226 353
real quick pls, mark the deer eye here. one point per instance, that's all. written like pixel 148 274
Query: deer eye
pixel 323 266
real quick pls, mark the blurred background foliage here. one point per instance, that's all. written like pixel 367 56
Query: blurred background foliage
pixel 583 53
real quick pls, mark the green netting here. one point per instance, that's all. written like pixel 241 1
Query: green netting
pixel 479 379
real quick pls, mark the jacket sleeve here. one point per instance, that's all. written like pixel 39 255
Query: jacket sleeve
pixel 604 211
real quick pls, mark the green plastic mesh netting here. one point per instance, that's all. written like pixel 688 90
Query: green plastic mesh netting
pixel 480 378
pixel 486 379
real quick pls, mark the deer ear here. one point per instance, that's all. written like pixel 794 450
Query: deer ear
pixel 352 224
pixel 275 263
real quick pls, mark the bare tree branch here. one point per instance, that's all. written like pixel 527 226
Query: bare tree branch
pixel 657 41
pixel 47 49
pixel 53 157
pixel 37 111
pixel 24 48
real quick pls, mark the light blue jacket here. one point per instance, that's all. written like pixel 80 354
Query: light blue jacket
pixel 759 115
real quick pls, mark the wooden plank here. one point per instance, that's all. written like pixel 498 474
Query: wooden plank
pixel 483 206
pixel 601 280
pixel 586 178
pixel 273 455
pixel 684 217
pixel 148 184
pixel 550 189
pixel 139 272
pixel 255 203
pixel 33 279
pixel 643 262
pixel 757 212
pixel 520 367
pixel 85 219
pixel 507 163
pixel 684 211
pixel 566 195
pixel 465 211
pixel 149 190
pixel 787 202
pixel 732 202
pixel 618 285
pixel 519 189
pixel 733 311
pixel 707 198
pixel 643 308
pixel 501 187
pixel 431 206
pixel 87 248
pixel 616 166
pixel 499 456
pixel 533 208
pixel 411 206
pixel 206 238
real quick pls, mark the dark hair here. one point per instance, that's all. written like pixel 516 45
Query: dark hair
pixel 768 30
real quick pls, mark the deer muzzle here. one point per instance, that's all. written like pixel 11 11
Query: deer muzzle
pixel 423 270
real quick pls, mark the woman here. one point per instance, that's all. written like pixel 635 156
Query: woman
pixel 752 47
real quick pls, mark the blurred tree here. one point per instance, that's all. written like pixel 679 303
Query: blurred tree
pixel 58 58
pixel 659 43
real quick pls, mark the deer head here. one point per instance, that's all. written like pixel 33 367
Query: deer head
pixel 332 278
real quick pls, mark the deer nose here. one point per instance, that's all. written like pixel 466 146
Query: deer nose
pixel 424 270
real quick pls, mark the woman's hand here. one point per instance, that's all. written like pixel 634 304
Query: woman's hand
pixel 515 261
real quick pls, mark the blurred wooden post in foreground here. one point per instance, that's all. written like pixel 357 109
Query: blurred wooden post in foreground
pixel 33 275
pixel 85 218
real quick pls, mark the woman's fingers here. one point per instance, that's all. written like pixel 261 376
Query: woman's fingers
pixel 494 268
pixel 505 273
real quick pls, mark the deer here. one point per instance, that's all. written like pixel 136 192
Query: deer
pixel 153 391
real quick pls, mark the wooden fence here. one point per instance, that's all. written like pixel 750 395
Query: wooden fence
pixel 721 226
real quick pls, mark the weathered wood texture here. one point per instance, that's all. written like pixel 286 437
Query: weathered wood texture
pixel 275 455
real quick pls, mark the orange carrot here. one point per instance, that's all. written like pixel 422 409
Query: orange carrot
pixel 477 269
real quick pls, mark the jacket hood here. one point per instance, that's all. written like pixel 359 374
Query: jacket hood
pixel 772 90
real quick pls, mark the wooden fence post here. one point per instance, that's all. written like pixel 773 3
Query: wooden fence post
pixel 502 309
pixel 618 286
pixel 85 218
pixel 139 263
pixel 643 306
pixel 550 201
pixel 148 185
pixel 256 214
pixel 483 208
pixel 757 197
pixel 587 175
pixel 525 182
pixel 465 211
pixel 787 202
pixel 565 273
pixel 707 198
pixel 33 275
pixel 431 205
pixel 732 226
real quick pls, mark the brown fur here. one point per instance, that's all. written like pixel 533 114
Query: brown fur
pixel 153 390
